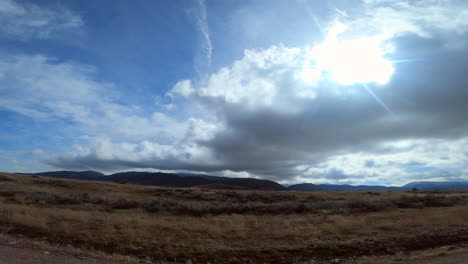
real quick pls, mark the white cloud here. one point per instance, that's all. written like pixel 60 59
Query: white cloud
pixel 104 154
pixel 398 162
pixel 263 78
pixel 182 88
pixel 22 20
pixel 422 17
pixel 46 90
pixel 42 87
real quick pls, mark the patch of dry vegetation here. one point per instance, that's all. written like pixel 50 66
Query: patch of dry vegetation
pixel 228 226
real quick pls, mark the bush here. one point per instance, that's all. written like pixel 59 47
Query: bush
pixel 5 179
pixel 123 204
pixel 428 200
pixel 154 206
pixel 369 205
pixel 55 183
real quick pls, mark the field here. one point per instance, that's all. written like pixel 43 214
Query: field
pixel 190 225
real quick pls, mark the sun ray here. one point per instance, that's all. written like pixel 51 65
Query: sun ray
pixel 366 87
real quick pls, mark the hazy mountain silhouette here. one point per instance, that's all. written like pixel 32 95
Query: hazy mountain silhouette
pixel 217 182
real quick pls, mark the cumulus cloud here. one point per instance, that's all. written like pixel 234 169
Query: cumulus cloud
pixel 397 162
pixel 22 20
pixel 259 117
pixel 270 128
pixel 48 90
pixel 270 131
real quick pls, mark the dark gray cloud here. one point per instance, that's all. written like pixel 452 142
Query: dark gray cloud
pixel 427 96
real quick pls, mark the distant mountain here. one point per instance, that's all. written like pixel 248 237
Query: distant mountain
pixel 167 179
pixel 430 186
pixel 216 182
pixel 353 188
pixel 337 188
pixel 220 186
pixel 81 175
pixel 158 179
pixel 423 186
pixel 304 187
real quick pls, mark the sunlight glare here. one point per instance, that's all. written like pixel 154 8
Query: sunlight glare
pixel 355 61
pixel 310 75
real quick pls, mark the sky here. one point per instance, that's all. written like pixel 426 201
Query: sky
pixel 339 91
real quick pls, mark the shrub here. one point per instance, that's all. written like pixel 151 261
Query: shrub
pixel 55 183
pixel 369 205
pixel 123 204
pixel 428 200
pixel 4 178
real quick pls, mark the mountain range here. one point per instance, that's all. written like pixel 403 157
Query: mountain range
pixel 217 182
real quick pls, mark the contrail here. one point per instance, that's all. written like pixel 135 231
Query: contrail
pixel 202 22
pixel 317 23
pixel 341 12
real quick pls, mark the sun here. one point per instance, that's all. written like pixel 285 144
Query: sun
pixel 348 62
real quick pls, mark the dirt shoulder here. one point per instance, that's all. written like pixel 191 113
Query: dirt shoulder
pixel 453 254
pixel 12 255
pixel 457 258
pixel 24 251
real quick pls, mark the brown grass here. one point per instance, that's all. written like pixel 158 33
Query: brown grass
pixel 228 226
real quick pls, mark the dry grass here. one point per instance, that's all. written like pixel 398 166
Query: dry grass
pixel 207 225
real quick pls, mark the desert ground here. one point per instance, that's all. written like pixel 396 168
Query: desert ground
pixel 91 221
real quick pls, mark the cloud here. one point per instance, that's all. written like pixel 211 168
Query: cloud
pixel 181 88
pixel 22 20
pixel 117 135
pixel 397 162
pixel 104 154
pixel 35 152
pixel 424 18
pixel 258 117
pixel 270 128
pixel 48 90
pixel 42 87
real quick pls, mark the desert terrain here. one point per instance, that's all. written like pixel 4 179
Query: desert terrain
pixel 122 223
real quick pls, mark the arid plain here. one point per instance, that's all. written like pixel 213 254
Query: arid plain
pixel 192 225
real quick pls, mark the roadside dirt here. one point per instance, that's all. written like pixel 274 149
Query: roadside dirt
pixel 454 254
pixel 12 255
pixel 457 254
pixel 16 250
pixel 451 259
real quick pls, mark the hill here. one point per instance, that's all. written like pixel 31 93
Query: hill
pixel 167 179
pixel 431 186
pixel 81 175
pixel 304 187
pixel 339 188
pixel 194 180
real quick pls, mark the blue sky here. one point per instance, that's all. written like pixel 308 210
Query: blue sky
pixel 356 92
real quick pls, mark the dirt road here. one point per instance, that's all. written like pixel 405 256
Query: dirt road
pixel 12 255
pixel 460 258
pixel 444 255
